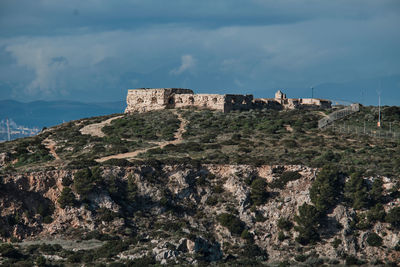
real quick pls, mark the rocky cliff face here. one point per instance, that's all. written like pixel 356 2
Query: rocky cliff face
pixel 174 213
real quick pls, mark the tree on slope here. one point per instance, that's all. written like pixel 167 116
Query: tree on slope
pixel 307 224
pixel 355 191
pixel 326 188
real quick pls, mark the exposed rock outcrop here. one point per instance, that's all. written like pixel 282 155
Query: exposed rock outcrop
pixel 176 207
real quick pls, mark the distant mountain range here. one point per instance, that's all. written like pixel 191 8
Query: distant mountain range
pixel 49 113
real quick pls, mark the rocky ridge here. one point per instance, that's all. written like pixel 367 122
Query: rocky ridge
pixel 174 214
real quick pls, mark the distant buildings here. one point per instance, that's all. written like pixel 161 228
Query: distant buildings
pixel 16 131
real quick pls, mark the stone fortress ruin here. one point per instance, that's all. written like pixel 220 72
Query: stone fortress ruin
pixel 146 99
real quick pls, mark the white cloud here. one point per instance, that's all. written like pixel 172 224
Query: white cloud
pixel 187 63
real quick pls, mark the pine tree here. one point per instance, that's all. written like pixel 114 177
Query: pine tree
pixel 326 188
pixel 67 198
pixel 131 190
pixel 355 191
pixel 307 224
pixel 376 193
pixel 259 194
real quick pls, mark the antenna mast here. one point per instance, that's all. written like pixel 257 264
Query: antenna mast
pixel 379 109
pixel 379 103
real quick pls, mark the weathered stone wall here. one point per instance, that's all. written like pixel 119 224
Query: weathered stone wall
pixel 238 102
pixel 142 100
pixel 208 101
pixel 267 103
pixel 316 102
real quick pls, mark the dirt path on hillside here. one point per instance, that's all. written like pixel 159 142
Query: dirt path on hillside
pixel 178 139
pixel 51 146
pixel 95 128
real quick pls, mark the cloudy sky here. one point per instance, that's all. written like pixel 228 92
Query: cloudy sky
pixel 95 50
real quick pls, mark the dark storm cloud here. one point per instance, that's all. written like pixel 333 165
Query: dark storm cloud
pixel 26 17
pixel 70 49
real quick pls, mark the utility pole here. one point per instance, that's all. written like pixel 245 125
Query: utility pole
pixel 312 92
pixel 8 130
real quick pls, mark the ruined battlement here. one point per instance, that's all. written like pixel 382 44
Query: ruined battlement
pixel 147 99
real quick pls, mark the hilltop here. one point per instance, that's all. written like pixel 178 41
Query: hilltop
pixel 200 186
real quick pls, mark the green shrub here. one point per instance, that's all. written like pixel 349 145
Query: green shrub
pixel 393 217
pixel 376 192
pixel 307 224
pixel 66 181
pixel 376 213
pixel 118 162
pixel 218 189
pixel 259 217
pixel 233 223
pixel 289 143
pixel 258 194
pixel 212 200
pixel 374 240
pixel 285 224
pixel 67 198
pixel 47 219
pixel 397 247
pixel 301 257
pixel 327 157
pixel 326 188
pixel 9 251
pixel 246 235
pixel 145 261
pixel 106 215
pixel 131 190
pixel 77 256
pixel 50 249
pixel 352 260
pixel 252 251
pixel 281 236
pixel 284 178
pixel 355 191
pixel 85 181
pixel 46 209
pixel 40 261
pixel 335 243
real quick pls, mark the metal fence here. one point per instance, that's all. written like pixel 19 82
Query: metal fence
pixel 359 130
pixel 329 119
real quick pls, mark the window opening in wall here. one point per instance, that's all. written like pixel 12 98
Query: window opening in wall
pixel 154 100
